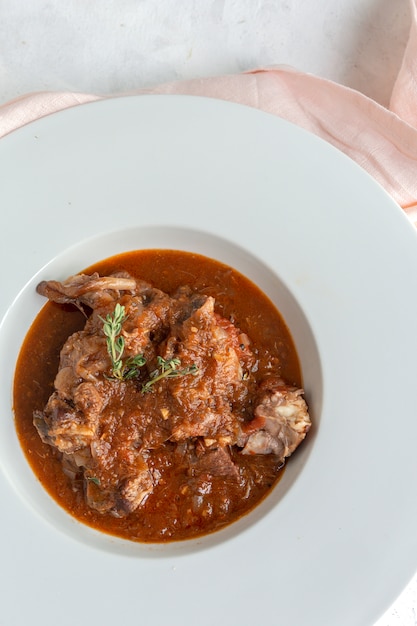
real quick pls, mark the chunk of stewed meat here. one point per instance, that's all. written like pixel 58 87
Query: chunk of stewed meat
pixel 280 423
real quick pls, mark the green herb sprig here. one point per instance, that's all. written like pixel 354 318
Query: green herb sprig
pixel 168 368
pixel 112 327
pixel 129 368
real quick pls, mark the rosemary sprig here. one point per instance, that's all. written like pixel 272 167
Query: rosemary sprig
pixel 168 368
pixel 112 327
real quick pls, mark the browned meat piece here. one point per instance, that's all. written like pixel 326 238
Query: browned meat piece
pixel 91 290
pixel 83 358
pixel 107 430
pixel 84 411
pixel 281 422
pixel 130 492
pixel 63 426
pixel 216 462
pixel 213 344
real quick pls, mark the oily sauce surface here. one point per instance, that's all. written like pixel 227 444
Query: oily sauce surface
pixel 168 513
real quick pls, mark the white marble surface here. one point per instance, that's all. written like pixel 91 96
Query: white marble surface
pixel 117 45
pixel 113 46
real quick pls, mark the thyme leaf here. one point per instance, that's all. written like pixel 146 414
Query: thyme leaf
pixel 168 368
pixel 93 479
pixel 112 327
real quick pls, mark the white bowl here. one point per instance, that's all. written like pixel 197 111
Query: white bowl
pixel 335 542
pixel 28 303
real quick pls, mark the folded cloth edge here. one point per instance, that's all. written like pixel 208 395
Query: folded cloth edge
pixel 376 138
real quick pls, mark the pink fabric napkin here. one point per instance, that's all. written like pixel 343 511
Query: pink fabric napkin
pixel 381 140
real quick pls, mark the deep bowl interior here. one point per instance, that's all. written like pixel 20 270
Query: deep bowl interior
pixel 27 304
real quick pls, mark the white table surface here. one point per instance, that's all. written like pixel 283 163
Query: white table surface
pixel 113 46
